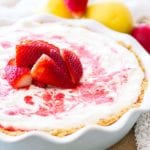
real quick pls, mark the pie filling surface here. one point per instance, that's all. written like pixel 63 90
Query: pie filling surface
pixel 111 80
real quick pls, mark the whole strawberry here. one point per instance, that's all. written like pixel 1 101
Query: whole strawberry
pixel 76 7
pixel 142 35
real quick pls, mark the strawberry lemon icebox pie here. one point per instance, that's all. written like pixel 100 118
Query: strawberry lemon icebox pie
pixel 58 78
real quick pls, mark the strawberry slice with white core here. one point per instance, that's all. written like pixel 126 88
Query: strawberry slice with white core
pixel 12 62
pixel 73 64
pixel 18 77
pixel 47 71
pixel 27 52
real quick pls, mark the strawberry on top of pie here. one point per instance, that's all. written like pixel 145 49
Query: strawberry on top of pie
pixel 46 65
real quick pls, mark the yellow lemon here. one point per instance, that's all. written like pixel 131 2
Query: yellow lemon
pixel 57 7
pixel 113 14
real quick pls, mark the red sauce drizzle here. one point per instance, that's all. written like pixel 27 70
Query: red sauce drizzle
pixel 28 100
pixel 5 44
pixel 53 104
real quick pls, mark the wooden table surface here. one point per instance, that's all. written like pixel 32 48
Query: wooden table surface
pixel 127 143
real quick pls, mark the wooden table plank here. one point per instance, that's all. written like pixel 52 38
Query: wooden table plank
pixel 127 143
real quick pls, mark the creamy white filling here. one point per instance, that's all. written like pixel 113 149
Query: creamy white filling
pixel 108 67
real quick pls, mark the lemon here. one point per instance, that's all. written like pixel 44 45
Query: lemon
pixel 113 14
pixel 58 8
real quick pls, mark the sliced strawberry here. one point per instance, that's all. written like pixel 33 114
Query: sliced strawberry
pixel 18 77
pixel 76 7
pixel 47 71
pixel 12 62
pixel 39 83
pixel 142 35
pixel 56 56
pixel 74 65
pixel 27 52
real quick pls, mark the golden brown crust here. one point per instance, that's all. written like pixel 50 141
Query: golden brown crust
pixel 103 122
pixel 129 47
pixel 63 132
pixel 112 119
pixel 56 132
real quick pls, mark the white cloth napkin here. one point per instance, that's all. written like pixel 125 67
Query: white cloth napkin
pixel 142 132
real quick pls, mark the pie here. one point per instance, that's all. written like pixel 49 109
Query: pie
pixel 113 82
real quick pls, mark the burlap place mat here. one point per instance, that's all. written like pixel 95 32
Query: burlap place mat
pixel 127 143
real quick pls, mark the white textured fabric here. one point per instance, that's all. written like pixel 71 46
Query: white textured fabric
pixel 142 132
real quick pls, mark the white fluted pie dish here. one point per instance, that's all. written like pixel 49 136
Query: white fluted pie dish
pixel 89 137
